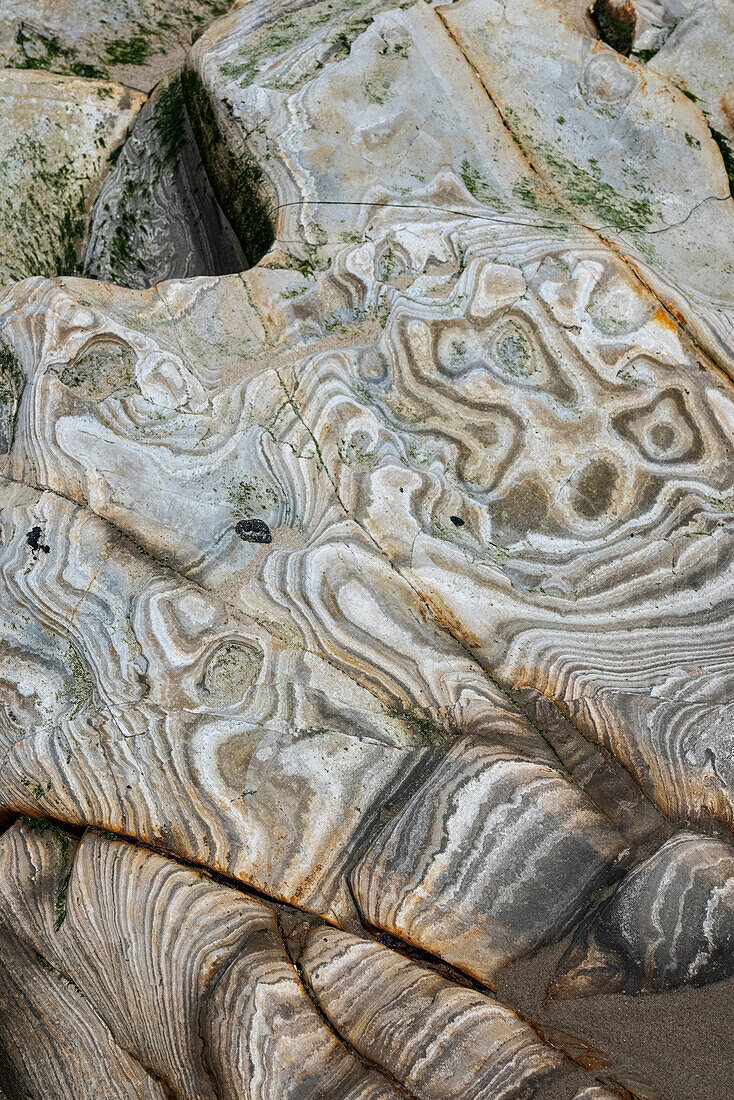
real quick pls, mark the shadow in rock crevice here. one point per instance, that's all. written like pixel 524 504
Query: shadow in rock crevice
pixel 157 217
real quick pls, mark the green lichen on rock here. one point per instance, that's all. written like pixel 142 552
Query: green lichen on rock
pixel 12 383
pixel 136 42
pixel 727 154
pixel 588 189
pixel 41 825
pixel 56 134
pixel 80 686
pixel 39 50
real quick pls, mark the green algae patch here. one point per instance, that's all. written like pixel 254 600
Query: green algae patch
pixel 56 134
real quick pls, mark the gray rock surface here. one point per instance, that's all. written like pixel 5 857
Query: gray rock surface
pixel 388 577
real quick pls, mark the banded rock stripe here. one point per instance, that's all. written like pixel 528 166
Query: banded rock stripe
pixel 53 1043
pixel 439 1040
pixel 193 979
pixel 669 923
pixel 596 1092
pixel 492 858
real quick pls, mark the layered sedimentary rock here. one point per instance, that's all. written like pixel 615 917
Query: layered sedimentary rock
pixel 670 922
pixel 56 136
pixel 439 1040
pixel 389 577
pixel 193 980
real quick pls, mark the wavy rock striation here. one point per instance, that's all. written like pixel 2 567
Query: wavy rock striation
pixel 670 922
pixel 390 577
pixel 439 1040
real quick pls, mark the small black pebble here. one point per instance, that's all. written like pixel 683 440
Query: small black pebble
pixel 253 530
pixel 33 539
pixel 457 521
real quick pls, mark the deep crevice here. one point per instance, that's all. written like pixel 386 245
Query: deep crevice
pixel 615 20
pixel 156 216
pixel 236 177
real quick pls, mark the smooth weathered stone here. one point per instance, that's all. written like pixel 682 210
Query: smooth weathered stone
pixel 156 217
pixel 441 1041
pixel 56 136
pixel 600 775
pixel 633 157
pixel 491 859
pixel 135 42
pixel 188 975
pixel 669 923
pixel 698 56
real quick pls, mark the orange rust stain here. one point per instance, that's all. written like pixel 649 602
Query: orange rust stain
pixel 298 893
pixel 663 318
pixel 456 628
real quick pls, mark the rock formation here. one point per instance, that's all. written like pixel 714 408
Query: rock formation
pixel 57 136
pixel 366 543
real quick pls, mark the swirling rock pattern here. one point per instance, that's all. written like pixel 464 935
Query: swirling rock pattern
pixel 391 576
pixel 127 687
pixel 670 922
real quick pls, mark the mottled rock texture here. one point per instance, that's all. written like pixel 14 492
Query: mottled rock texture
pixel 366 543
pixel 57 134
pixel 132 41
